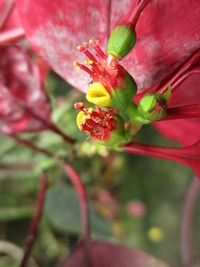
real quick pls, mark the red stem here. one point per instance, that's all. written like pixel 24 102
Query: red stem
pixel 51 126
pixel 8 5
pixel 30 145
pixel 11 36
pixel 186 227
pixel 135 14
pixel 179 74
pixel 184 77
pixel 185 155
pixel 182 112
pixel 35 221
pixel 174 79
pixel 75 179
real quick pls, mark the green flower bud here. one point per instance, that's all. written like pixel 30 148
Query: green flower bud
pixel 152 107
pixel 121 41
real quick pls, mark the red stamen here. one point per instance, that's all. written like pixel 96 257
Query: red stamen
pixel 99 125
pixel 99 51
pixel 79 105
pixel 83 67
pixel 90 56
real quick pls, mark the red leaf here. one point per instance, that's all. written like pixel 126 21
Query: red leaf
pixel 105 254
pixel 21 92
pixel 168 32
pixel 9 17
pixel 186 131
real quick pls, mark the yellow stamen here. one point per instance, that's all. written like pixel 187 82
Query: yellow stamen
pixel 98 95
pixel 78 47
pixel 75 63
pixel 81 118
pixel 90 110
pixel 91 41
pixel 85 43
pixel 88 62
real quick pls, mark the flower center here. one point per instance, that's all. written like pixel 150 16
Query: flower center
pixel 98 124
pixel 103 68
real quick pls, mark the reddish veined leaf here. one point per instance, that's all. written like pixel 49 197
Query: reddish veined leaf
pixel 168 32
pixel 104 254
pixel 21 92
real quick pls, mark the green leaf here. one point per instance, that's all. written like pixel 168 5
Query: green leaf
pixel 62 210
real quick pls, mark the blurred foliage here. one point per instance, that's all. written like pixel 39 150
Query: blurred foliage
pixel 112 182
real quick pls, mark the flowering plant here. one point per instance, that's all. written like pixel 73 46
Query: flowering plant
pixel 143 78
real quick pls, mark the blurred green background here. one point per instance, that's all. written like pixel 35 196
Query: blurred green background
pixel 134 200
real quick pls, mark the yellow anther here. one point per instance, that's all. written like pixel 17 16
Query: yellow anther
pixel 78 47
pixel 76 65
pixel 79 119
pixel 90 110
pixel 98 95
pixel 88 62
pixel 82 117
pixel 91 41
pixel 85 43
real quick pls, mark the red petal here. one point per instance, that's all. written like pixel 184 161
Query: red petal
pixel 21 89
pixel 9 15
pixel 105 254
pixel 168 32
pixel 55 28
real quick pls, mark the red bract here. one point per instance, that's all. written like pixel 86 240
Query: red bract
pixel 104 254
pixel 167 34
pixel 10 24
pixel 9 18
pixel 22 96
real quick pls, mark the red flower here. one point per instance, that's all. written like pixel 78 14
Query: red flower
pixel 168 34
pixel 22 96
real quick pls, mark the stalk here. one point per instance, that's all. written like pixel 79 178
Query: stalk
pixel 189 156
pixel 186 227
pixel 11 36
pixel 7 8
pixel 35 221
pixel 135 14
pixel 75 179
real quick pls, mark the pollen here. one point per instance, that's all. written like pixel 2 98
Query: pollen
pixel 88 62
pixel 91 41
pixel 76 65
